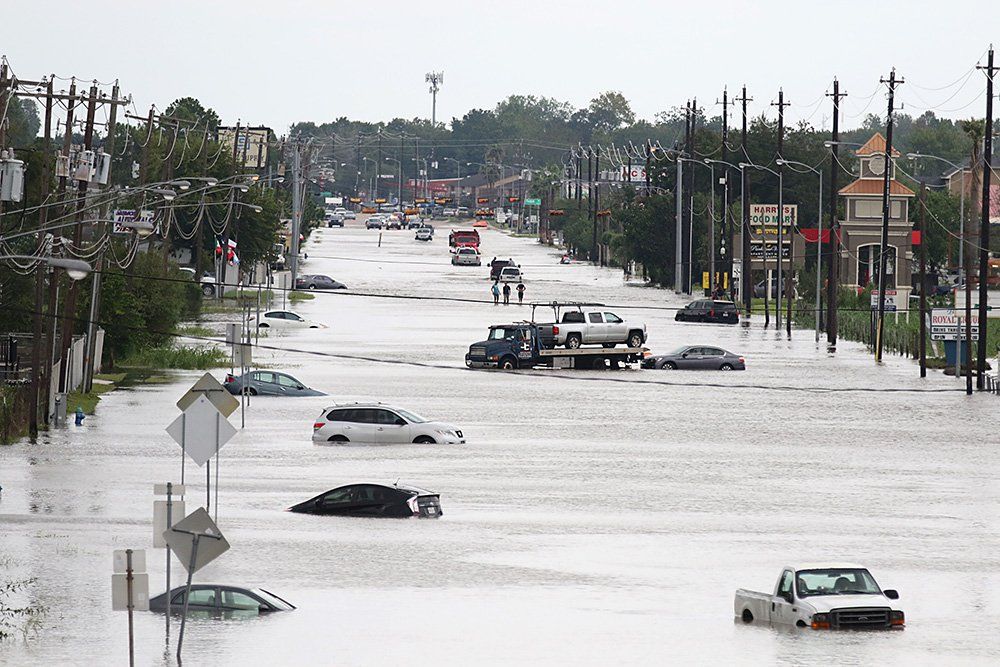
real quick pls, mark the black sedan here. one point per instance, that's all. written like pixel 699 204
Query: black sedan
pixel 221 598
pixel 268 383
pixel 709 310
pixel 696 357
pixel 375 500
pixel 318 281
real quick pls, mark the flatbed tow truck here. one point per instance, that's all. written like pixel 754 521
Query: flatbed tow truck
pixel 529 344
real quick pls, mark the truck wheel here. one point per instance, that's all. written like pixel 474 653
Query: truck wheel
pixel 508 363
pixel 635 339
pixel 747 616
pixel 573 341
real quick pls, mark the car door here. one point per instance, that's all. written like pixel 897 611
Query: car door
pixel 615 328
pixel 239 604
pixel 595 331
pixel 783 603
pixel 265 383
pixel 711 358
pixel 391 429
pixel 203 598
pixel 360 425
pixel 689 359
pixel 288 386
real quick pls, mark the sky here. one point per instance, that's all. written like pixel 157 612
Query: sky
pixel 274 63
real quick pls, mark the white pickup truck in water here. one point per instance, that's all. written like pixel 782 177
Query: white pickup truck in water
pixel 823 597
pixel 579 324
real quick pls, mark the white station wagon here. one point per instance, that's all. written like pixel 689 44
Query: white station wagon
pixel 376 423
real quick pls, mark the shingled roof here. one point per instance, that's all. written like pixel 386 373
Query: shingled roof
pixel 875 145
pixel 872 187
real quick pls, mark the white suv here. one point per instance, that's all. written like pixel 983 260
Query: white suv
pixel 376 423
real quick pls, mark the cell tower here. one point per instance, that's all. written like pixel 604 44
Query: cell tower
pixel 435 79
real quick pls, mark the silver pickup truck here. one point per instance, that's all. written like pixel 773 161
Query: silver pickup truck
pixel 593 324
pixel 823 597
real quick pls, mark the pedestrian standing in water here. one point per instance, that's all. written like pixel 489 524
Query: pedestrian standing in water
pixel 496 293
pixel 506 294
pixel 520 292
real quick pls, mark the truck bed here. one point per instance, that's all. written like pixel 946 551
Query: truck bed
pixel 756 603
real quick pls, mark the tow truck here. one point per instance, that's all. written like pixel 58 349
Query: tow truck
pixel 533 345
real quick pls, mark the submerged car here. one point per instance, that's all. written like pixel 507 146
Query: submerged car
pixel 424 234
pixel 377 500
pixel 318 281
pixel 466 256
pixel 268 383
pixel 696 357
pixel 221 598
pixel 285 319
pixel 709 310
pixel 375 423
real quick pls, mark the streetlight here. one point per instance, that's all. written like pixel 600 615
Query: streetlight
pixel 722 251
pixel 76 269
pixel 778 250
pixel 690 253
pixel 819 238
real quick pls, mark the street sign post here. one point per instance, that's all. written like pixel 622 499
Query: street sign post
pixel 130 589
pixel 196 541
pixel 890 300
pixel 164 513
pixel 213 390
pixel 532 202
pixel 201 431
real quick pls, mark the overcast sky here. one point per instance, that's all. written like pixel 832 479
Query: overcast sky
pixel 275 62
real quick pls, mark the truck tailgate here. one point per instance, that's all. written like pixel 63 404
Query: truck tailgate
pixel 757 604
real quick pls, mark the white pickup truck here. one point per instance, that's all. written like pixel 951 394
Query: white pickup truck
pixel 592 324
pixel 823 597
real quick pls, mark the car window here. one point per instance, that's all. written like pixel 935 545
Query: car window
pixel 366 416
pixel 265 377
pixel 201 596
pixel 595 318
pixel 786 583
pixel 611 318
pixel 694 351
pixel 337 416
pixel 338 496
pixel 386 417
pixel 237 600
pixel 275 315
pixel 293 317
pixel 713 352
pixel 287 381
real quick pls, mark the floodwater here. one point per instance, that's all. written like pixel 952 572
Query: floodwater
pixel 594 518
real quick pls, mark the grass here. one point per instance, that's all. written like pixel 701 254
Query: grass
pixel 87 400
pixel 194 330
pixel 300 296
pixel 182 357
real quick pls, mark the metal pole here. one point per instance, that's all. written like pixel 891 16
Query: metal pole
pixel 128 581
pixel 187 592
pixel 711 237
pixel 819 251
pixel 984 228
pixel 679 197
pixel 296 210
pixel 922 343
pixel 779 260
pixel 170 523
pixel 884 243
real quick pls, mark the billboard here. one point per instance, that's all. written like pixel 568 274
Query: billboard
pixel 764 217
pixel 251 145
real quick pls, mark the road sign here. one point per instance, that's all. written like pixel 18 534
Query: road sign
pixel 211 389
pixel 737 268
pixel 126 563
pixel 160 519
pixel 532 202
pixel 181 538
pixel 201 430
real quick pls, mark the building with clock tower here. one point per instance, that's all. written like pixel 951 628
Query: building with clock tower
pixel 861 227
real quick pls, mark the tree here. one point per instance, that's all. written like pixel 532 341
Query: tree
pixel 190 109
pixel 609 111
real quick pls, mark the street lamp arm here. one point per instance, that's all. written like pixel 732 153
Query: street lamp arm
pixel 76 269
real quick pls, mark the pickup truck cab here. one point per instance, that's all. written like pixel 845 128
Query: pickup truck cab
pixel 597 325
pixel 823 597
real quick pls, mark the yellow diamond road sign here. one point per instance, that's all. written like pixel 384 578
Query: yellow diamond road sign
pixel 211 389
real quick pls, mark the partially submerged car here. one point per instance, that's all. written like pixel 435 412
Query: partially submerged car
pixel 424 234
pixel 285 319
pixel 823 597
pixel 318 281
pixel 376 423
pixel 696 357
pixel 466 256
pixel 268 383
pixel 220 598
pixel 376 500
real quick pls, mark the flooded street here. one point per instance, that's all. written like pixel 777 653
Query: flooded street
pixel 593 517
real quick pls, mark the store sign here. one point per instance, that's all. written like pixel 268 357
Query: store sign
pixel 949 324
pixel 890 300
pixel 127 216
pixel 757 251
pixel 764 217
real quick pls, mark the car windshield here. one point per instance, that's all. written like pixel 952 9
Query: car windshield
pixel 500 333
pixel 412 417
pixel 835 581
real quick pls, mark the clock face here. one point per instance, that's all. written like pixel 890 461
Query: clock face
pixel 877 164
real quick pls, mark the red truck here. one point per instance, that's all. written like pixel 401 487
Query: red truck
pixel 464 237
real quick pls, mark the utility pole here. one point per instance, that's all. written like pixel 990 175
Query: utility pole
pixel 746 279
pixel 579 180
pixel 726 236
pixel 357 164
pixel 786 287
pixel 883 246
pixel 689 231
pixel 833 265
pixel 378 164
pixel 679 224
pixel 984 228
pixel 923 281
pixel 296 206
pixel 594 251
pixel 590 187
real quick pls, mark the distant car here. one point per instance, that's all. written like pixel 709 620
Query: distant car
pixel 466 256
pixel 285 319
pixel 375 423
pixel 335 220
pixel 373 222
pixel 221 598
pixel 462 211
pixel 497 265
pixel 396 501
pixel 268 383
pixel 393 222
pixel 709 310
pixel 318 281
pixel 350 215
pixel 510 274
pixel 696 357
pixel 449 212
pixel 480 223
pixel 428 226
pixel 424 234
pixel 413 223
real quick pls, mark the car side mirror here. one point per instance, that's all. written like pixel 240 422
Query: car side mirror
pixel 684 355
pixel 891 594
pixel 298 386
